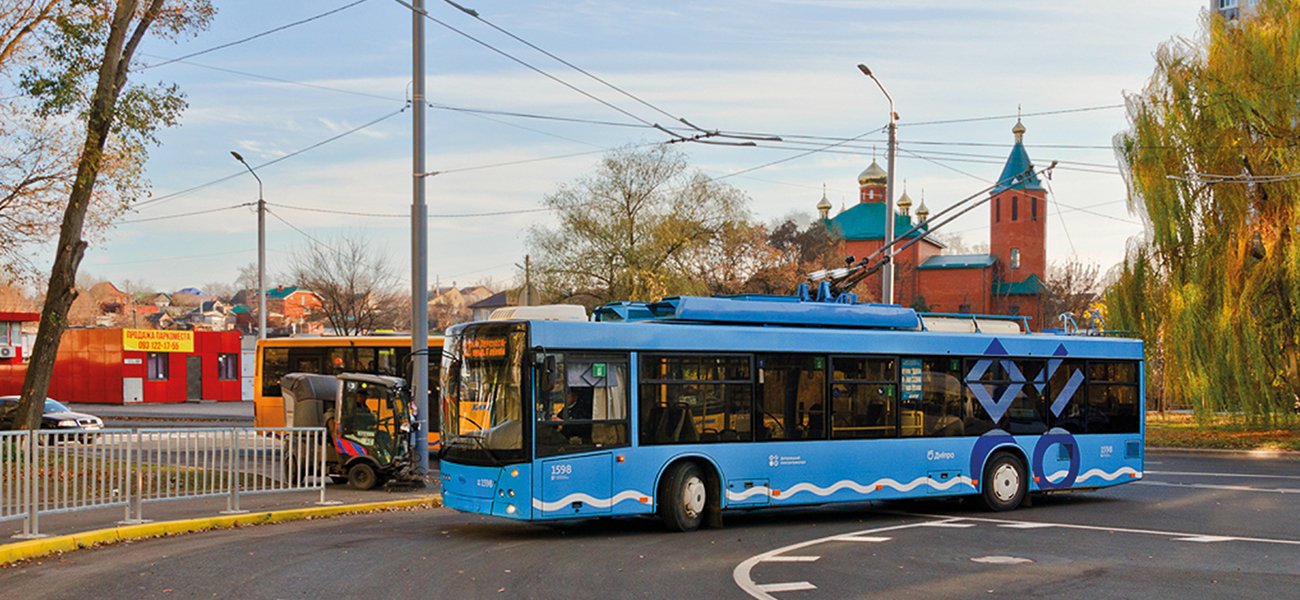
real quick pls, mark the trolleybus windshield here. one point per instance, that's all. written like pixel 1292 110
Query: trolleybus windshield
pixel 482 394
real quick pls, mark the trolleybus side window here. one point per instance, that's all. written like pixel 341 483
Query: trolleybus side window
pixel 586 405
pixel 942 406
pixel 791 397
pixel 693 398
pixel 1067 392
pixel 1113 392
pixel 864 393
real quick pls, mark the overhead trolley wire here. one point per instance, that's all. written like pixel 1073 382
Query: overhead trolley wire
pixel 188 214
pixel 166 197
pixel 523 63
pixel 255 36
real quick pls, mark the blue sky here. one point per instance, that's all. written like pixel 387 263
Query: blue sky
pixel 782 66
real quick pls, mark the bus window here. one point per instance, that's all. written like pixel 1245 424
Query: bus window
pixel 275 364
pixel 791 396
pixel 1067 388
pixel 940 410
pixel 586 408
pixel 691 398
pixel 1113 397
pixel 863 396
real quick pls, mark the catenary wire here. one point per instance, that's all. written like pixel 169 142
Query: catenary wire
pixel 256 35
pixel 166 197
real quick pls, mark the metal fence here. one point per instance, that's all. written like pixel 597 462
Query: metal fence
pixel 48 472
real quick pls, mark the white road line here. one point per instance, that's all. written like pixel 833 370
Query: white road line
pixel 791 558
pixel 952 524
pixel 793 586
pixel 1225 488
pixel 1027 525
pixel 869 539
pixel 1169 534
pixel 1205 539
pixel 745 581
pixel 1243 475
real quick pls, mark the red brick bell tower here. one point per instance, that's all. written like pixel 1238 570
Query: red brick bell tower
pixel 1018 234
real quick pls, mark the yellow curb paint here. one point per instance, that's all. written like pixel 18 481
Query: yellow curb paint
pixel 28 549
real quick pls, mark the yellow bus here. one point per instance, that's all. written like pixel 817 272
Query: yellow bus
pixel 377 355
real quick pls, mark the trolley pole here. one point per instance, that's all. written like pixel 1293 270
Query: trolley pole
pixel 419 245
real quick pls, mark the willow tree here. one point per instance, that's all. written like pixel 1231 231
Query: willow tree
pixel 1212 166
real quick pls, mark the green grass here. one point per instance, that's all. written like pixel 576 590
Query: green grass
pixel 1183 431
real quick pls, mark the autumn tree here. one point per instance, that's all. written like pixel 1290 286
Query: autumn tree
pixel 795 250
pixel 80 73
pixel 1069 288
pixel 1210 161
pixel 635 229
pixel 359 290
pixel 39 146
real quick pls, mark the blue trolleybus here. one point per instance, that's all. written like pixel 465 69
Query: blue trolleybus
pixel 690 406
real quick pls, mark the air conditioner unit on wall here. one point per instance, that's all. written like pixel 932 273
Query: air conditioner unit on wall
pixel 7 351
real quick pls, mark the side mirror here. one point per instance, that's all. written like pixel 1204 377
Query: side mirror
pixel 550 372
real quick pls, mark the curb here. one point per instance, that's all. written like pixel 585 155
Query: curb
pixel 24 550
pixel 1286 454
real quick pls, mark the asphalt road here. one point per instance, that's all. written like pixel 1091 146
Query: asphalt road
pixel 1197 527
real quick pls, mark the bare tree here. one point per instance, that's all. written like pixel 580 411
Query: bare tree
pixel 358 288
pixel 1071 287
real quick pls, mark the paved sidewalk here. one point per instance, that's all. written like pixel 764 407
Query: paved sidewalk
pixel 171 510
pixel 218 414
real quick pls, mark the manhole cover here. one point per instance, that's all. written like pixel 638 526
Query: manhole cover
pixel 1001 560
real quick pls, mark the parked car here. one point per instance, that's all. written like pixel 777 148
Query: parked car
pixel 56 415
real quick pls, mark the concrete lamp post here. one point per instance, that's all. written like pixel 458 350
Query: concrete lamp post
pixel 261 249
pixel 887 273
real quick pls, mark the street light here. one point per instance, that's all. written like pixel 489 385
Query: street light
pixel 261 250
pixel 887 273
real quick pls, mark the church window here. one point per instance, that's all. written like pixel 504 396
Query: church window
pixel 997 210
pixel 1033 209
pixel 1015 258
pixel 871 194
pixel 1015 208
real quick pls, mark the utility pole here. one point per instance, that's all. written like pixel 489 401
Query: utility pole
pixel 419 244
pixel 528 280
pixel 887 272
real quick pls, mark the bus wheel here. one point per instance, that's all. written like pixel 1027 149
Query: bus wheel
pixel 362 476
pixel 683 496
pixel 1005 483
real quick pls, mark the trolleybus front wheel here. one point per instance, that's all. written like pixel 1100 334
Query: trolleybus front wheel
pixel 683 496
pixel 1005 482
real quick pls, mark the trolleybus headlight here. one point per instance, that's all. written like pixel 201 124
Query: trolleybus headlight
pixel 511 509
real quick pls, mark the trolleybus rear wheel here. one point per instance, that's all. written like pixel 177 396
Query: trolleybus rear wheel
pixel 683 496
pixel 1005 482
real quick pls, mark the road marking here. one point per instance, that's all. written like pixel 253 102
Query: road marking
pixel 742 574
pixel 1225 488
pixel 793 586
pixel 1168 534
pixel 870 539
pixel 791 558
pixel 1001 560
pixel 1243 475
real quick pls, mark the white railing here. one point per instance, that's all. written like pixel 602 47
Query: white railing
pixel 48 472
